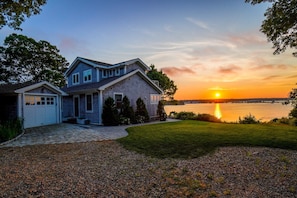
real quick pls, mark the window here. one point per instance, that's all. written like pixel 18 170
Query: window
pixel 75 78
pixel 104 73
pixel 30 100
pixel 87 75
pixel 117 71
pixel 110 73
pixel 118 98
pixel 89 102
pixel 155 98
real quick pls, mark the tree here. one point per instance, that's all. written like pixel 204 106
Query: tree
pixel 280 25
pixel 23 59
pixel 110 116
pixel 14 12
pixel 127 110
pixel 141 111
pixel 165 83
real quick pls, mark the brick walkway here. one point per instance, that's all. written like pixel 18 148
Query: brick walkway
pixel 69 133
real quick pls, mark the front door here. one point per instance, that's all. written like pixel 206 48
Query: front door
pixel 76 106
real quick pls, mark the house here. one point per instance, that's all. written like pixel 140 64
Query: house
pixel 36 103
pixel 90 83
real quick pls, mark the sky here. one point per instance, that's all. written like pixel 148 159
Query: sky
pixel 209 48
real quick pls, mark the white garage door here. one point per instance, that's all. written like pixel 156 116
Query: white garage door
pixel 40 110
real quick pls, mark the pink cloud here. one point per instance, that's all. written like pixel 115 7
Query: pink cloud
pixel 270 66
pixel 173 71
pixel 247 39
pixel 230 69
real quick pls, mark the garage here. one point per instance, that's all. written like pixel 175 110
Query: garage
pixel 40 110
pixel 37 104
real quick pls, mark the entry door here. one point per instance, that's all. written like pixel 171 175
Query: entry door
pixel 76 106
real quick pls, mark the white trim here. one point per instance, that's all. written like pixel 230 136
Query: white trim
pixel 100 105
pixel 86 103
pixel 97 74
pixel 78 78
pixel 86 74
pixel 73 100
pixel 36 85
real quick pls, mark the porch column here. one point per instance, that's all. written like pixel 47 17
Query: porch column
pixel 100 105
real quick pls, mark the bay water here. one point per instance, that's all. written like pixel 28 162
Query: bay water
pixel 230 112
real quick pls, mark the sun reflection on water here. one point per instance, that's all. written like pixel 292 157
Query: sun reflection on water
pixel 218 112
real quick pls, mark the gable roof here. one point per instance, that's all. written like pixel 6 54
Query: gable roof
pixel 102 65
pixel 102 85
pixel 26 86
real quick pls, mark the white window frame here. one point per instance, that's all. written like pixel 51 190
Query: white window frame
pixel 110 73
pixel 155 98
pixel 87 73
pixel 86 101
pixel 114 98
pixel 104 73
pixel 117 71
pixel 75 79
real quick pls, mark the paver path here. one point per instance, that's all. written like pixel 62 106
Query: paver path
pixel 70 133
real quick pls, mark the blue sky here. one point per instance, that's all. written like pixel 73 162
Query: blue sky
pixel 205 46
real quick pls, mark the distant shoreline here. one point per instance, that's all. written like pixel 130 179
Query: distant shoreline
pixel 243 100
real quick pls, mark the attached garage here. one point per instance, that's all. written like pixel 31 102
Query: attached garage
pixel 37 104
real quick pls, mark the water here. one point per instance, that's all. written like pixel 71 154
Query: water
pixel 230 112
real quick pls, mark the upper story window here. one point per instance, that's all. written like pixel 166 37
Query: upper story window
pixel 117 71
pixel 104 73
pixel 87 75
pixel 75 78
pixel 110 73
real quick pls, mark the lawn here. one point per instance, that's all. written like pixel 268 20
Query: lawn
pixel 191 139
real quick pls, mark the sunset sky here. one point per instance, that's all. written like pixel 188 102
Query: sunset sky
pixel 206 47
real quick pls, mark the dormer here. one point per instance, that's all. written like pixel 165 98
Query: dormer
pixel 83 70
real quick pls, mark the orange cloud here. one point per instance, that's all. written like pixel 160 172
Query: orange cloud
pixel 173 71
pixel 271 77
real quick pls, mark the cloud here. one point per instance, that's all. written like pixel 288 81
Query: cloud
pixel 198 23
pixel 271 77
pixel 217 89
pixel 174 71
pixel 230 69
pixel 270 67
pixel 247 39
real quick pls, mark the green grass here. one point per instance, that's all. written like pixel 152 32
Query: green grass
pixel 191 139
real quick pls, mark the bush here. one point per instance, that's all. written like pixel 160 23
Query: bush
pixel 293 112
pixel 141 111
pixel 127 112
pixel 248 119
pixel 185 115
pixel 207 118
pixel 286 121
pixel 110 115
pixel 10 129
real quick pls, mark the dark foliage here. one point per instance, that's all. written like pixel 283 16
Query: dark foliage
pixel 110 115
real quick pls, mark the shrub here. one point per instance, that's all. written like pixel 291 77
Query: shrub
pixel 185 115
pixel 207 118
pixel 248 119
pixel 110 115
pixel 141 111
pixel 127 112
pixel 293 112
pixel 10 129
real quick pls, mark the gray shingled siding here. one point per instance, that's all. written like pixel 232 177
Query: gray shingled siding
pixel 134 87
pixel 134 67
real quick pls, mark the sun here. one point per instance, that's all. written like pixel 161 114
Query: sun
pixel 217 94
